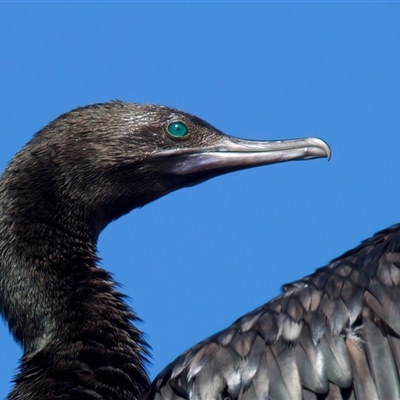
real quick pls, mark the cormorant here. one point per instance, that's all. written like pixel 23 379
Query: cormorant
pixel 82 171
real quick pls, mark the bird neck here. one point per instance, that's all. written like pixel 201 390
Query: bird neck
pixel 78 335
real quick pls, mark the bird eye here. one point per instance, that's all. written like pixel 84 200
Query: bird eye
pixel 177 129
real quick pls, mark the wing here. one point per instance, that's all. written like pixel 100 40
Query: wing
pixel 332 335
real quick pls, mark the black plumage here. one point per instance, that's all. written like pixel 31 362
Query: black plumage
pixel 83 170
pixel 332 335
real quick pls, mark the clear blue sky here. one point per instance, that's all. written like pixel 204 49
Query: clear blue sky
pixel 199 258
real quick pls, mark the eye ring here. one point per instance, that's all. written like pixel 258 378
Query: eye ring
pixel 177 130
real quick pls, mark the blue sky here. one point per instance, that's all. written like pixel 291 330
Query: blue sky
pixel 201 257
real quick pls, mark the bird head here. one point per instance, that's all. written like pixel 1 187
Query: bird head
pixel 101 161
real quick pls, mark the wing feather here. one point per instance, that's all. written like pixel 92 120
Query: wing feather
pixel 333 335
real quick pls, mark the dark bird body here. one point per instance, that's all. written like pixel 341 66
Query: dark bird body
pixel 332 335
pixel 79 173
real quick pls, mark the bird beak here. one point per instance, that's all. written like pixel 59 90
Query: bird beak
pixel 231 154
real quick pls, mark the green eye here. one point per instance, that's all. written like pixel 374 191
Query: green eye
pixel 177 129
